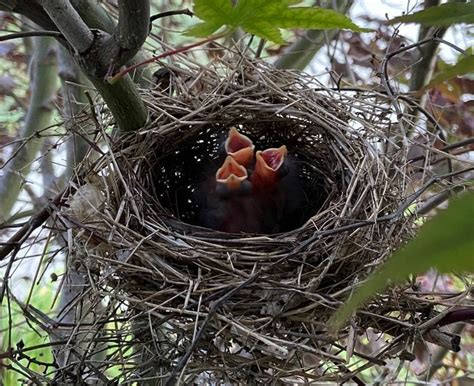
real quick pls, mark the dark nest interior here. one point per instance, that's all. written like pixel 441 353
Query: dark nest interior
pixel 209 306
pixel 181 179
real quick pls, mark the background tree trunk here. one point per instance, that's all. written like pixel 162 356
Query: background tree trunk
pixel 44 84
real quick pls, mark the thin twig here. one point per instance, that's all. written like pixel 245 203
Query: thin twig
pixel 451 146
pixel 35 221
pixel 398 213
pixel 25 34
pixel 212 311
pixel 171 13
pixel 176 51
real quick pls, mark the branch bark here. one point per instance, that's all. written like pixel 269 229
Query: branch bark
pixel 68 21
pixel 31 9
pixel 97 53
pixel 95 16
pixel 132 28
pixel 117 48
pixel 94 54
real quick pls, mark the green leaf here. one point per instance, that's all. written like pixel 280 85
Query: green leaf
pixel 264 30
pixel 442 15
pixel 315 18
pixel 464 66
pixel 445 243
pixel 265 18
pixel 214 10
pixel 203 29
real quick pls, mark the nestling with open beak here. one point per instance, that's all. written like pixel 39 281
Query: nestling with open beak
pixel 227 204
pixel 232 179
pixel 239 147
pixel 270 168
pixel 268 187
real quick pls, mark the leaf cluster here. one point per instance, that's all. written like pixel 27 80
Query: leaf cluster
pixel 265 18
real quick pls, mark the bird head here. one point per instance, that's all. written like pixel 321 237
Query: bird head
pixel 269 166
pixel 232 178
pixel 239 147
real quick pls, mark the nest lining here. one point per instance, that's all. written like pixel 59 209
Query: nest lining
pixel 282 287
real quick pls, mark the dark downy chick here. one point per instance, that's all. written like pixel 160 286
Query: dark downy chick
pixel 228 205
pixel 268 189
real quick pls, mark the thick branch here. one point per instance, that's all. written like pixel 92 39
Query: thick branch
pixel 438 356
pixel 100 57
pixel 31 9
pixel 105 52
pixel 95 16
pixel 124 102
pixel 122 98
pixel 71 25
pixel 132 28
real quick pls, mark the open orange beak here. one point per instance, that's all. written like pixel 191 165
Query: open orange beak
pixel 231 176
pixel 239 147
pixel 268 166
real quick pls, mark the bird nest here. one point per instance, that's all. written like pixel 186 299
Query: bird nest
pixel 204 305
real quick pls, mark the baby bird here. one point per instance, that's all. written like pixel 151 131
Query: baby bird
pixel 228 205
pixel 239 147
pixel 268 188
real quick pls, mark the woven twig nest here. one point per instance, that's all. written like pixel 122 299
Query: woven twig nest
pixel 244 307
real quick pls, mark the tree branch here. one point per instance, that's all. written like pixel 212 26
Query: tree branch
pixel 31 9
pixel 423 68
pixel 94 57
pixel 171 13
pixel 438 356
pixel 34 222
pixel 105 52
pixel 66 18
pixel 25 34
pixel 95 16
pixel 132 28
